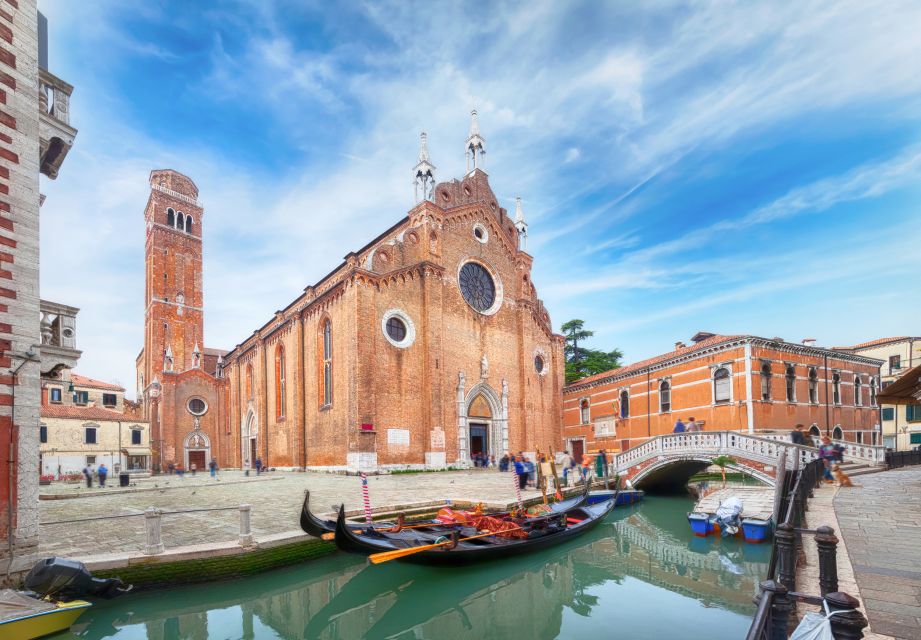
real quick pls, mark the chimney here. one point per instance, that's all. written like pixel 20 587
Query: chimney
pixel 808 342
pixel 679 345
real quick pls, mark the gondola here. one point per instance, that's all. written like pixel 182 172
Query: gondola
pixel 316 527
pixel 543 531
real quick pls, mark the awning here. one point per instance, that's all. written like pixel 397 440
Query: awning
pixel 905 390
pixel 136 451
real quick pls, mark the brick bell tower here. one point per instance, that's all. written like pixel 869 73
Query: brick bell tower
pixel 173 298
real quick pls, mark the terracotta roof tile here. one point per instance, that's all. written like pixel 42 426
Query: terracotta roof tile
pixel 83 381
pixel 642 364
pixel 875 343
pixel 80 413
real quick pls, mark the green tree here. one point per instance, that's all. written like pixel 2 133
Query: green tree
pixel 722 462
pixel 581 361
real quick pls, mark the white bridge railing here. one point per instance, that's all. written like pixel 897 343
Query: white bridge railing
pixel 764 449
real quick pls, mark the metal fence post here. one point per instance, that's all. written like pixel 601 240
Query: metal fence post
pixel 246 532
pixel 781 608
pixel 785 539
pixel 827 544
pixel 152 525
pixel 849 624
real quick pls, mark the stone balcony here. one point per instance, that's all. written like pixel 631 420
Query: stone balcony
pixel 57 136
pixel 59 338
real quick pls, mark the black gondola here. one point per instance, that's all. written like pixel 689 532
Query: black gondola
pixel 316 527
pixel 542 532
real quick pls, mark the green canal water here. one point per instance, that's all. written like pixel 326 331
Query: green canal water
pixel 640 574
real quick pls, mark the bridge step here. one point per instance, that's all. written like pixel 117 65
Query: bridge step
pixel 864 471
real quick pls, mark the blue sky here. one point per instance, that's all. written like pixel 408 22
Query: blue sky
pixel 730 167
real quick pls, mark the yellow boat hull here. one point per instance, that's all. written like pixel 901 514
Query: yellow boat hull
pixel 44 623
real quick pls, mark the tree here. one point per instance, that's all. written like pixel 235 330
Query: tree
pixel 580 361
pixel 722 462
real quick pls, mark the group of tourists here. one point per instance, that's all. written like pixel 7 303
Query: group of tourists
pixel 100 472
pixel 830 453
pixel 177 469
pixel 687 427
pixel 483 460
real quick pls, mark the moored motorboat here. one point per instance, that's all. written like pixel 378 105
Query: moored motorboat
pixel 465 545
pixel 624 496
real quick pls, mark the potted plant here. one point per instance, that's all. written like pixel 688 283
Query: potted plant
pixel 45 479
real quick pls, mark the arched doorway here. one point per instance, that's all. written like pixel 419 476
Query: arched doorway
pixel 197 451
pixel 249 434
pixel 479 419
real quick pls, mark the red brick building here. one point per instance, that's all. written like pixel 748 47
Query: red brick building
pixel 739 382
pixel 423 347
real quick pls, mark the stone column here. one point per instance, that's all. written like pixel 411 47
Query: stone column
pixel 503 425
pixel 462 455
pixel 152 524
pixel 246 533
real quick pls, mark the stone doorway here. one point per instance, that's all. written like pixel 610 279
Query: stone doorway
pixel 577 449
pixel 479 438
pixel 197 450
pixel 480 421
pixel 198 459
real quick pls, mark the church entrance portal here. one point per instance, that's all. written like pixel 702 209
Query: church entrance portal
pixel 479 439
pixel 198 459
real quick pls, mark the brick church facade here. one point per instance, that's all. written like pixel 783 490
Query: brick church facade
pixel 425 346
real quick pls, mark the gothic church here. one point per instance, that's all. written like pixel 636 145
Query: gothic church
pixel 424 347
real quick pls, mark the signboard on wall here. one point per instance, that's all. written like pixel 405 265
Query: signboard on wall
pixel 398 436
pixel 605 427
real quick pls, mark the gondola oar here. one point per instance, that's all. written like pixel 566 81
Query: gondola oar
pixel 385 556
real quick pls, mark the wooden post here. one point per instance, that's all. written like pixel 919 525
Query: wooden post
pixel 556 477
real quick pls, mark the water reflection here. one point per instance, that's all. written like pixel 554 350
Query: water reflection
pixel 637 575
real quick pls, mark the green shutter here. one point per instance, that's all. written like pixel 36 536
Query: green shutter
pixel 916 438
pixel 913 413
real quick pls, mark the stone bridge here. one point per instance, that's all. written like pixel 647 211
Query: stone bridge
pixel 669 460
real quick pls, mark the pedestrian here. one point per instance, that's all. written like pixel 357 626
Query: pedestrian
pixel 258 466
pixel 692 425
pixel 103 473
pixel 492 462
pixel 88 474
pixel 503 462
pixel 827 455
pixel 601 462
pixel 171 468
pixel 586 467
pixel 213 467
pixel 566 463
pixel 797 436
pixel 679 427
pixel 520 472
pixel 529 469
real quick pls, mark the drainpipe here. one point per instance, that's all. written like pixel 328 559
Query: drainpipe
pixel 648 406
pixel 749 405
pixel 302 408
pixel 265 401
pixel 827 409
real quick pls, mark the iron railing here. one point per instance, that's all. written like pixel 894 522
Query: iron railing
pixel 897 459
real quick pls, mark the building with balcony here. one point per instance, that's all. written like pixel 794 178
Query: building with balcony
pixel 901 424
pixel 35 135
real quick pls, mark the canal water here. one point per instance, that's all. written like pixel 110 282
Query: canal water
pixel 640 574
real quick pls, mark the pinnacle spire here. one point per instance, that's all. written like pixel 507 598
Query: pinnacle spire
pixel 519 216
pixel 474 125
pixel 521 225
pixel 475 146
pixel 424 173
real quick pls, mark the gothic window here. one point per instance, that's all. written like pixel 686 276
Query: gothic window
pixel 858 392
pixel 477 286
pixel 584 411
pixel 180 221
pixel 813 385
pixel 836 387
pixel 790 379
pixel 766 381
pixel 722 389
pixel 837 433
pixel 665 396
pixel 538 363
pixel 197 406
pixel 188 224
pixel 171 217
pixel 624 404
pixel 327 363
pixel 396 329
pixel 249 382
pixel 279 382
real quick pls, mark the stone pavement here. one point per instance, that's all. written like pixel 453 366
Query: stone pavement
pixel 275 504
pixel 880 522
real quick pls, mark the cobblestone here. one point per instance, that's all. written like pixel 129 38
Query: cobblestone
pixel 879 522
pixel 275 498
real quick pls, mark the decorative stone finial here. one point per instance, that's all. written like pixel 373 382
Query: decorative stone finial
pixel 521 225
pixel 424 173
pixel 476 145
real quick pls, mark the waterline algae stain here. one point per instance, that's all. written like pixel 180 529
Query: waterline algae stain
pixel 640 574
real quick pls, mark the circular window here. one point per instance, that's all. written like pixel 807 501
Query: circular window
pixel 398 328
pixel 480 233
pixel 538 364
pixel 197 406
pixel 478 288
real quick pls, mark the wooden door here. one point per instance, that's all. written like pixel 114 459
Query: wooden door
pixel 578 449
pixel 198 459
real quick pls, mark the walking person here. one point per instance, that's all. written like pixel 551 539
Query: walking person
pixel 520 472
pixel 827 454
pixel 213 467
pixel 103 474
pixel 566 463
pixel 797 436
pixel 258 466
pixel 88 474
pixel 679 427
pixel 529 470
pixel 171 468
pixel 692 425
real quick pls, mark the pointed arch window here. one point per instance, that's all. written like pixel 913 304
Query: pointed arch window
pixel 327 363
pixel 813 385
pixel 836 387
pixel 858 391
pixel 873 394
pixel 665 396
pixel 180 221
pixel 171 217
pixel 279 382
pixel 624 404
pixel 248 384
pixel 766 381
pixel 790 379
pixel 188 224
